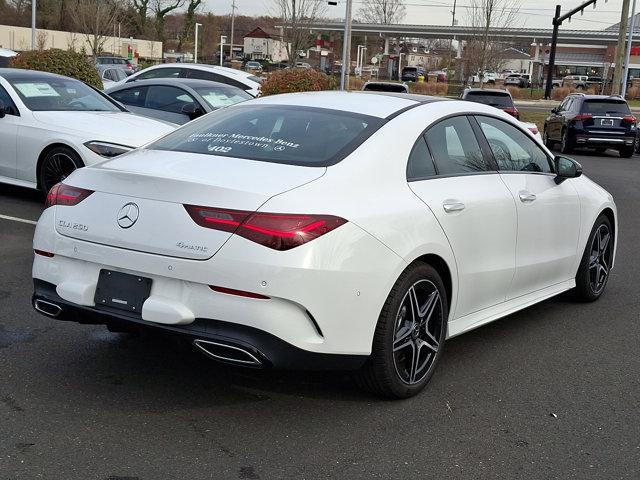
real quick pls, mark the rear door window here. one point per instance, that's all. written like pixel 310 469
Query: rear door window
pixel 167 99
pixel 454 147
pixel 159 73
pixel 302 136
pixel 499 100
pixel 134 96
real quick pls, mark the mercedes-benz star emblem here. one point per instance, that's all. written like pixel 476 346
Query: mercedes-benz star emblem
pixel 128 215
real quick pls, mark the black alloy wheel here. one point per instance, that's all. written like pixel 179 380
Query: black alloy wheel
pixel 597 260
pixel 58 164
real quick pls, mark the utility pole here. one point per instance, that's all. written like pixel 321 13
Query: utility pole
pixel 346 48
pixel 195 49
pixel 33 24
pixel 617 73
pixel 453 24
pixel 233 23
pixel 632 28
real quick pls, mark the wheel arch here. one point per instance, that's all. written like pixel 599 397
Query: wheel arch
pixel 44 153
pixel 443 269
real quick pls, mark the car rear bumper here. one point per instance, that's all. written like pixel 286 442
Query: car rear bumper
pixel 602 140
pixel 224 341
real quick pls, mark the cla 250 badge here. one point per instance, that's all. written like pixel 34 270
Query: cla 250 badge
pixel 73 226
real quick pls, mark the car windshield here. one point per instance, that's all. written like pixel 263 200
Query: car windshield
pixel 60 94
pixel 496 99
pixel 303 136
pixel 606 106
pixel 218 97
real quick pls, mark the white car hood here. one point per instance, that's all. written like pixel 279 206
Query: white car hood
pixel 118 127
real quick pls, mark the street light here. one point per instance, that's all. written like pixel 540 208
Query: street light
pixel 346 48
pixel 195 49
pixel 223 40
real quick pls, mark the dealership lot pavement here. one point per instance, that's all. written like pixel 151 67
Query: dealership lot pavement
pixel 550 392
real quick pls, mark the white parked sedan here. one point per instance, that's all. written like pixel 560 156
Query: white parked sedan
pixel 325 230
pixel 50 125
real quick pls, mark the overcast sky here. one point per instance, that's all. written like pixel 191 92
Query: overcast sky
pixel 437 12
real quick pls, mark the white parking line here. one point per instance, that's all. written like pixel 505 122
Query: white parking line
pixel 16 219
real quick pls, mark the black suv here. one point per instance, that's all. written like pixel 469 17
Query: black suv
pixel 596 121
pixel 496 98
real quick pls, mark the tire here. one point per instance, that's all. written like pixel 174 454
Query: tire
pixel 566 144
pixel 626 152
pixel 399 374
pixel 595 266
pixel 58 164
pixel 545 138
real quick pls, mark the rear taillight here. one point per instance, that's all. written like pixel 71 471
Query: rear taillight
pixel 534 130
pixel 61 194
pixel 629 119
pixel 238 293
pixel 42 253
pixel 513 112
pixel 582 116
pixel 274 230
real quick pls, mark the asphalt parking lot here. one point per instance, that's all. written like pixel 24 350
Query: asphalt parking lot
pixel 552 392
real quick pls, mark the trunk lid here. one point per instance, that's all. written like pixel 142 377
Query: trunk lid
pixel 138 200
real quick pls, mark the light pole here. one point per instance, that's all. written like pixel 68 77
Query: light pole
pixel 233 24
pixel 223 40
pixel 346 48
pixel 625 77
pixel 33 24
pixel 195 48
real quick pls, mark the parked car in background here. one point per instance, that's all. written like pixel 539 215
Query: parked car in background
pixel 595 82
pixel 378 86
pixel 5 57
pixel 302 65
pixel 412 74
pixel 110 75
pixel 50 125
pixel 505 73
pixel 213 73
pixel 440 76
pixel 176 100
pixel 520 80
pixel 596 121
pixel 487 77
pixel 123 63
pixel 251 232
pixel 575 81
pixel 496 98
pixel 555 83
pixel 253 66
pixel 533 128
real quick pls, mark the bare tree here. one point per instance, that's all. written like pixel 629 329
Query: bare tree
pixel 297 17
pixel 385 12
pixel 141 9
pixel 189 21
pixel 161 8
pixel 483 51
pixel 95 20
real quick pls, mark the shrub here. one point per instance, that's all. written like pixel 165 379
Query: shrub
pixel 356 83
pixel 633 93
pixel 296 80
pixel 561 92
pixel 429 88
pixel 62 62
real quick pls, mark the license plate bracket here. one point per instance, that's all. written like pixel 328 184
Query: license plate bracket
pixel 122 291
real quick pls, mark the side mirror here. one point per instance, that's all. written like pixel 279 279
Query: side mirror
pixel 566 168
pixel 3 109
pixel 192 111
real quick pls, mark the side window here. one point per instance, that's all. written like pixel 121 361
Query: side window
pixel 420 162
pixel 8 103
pixel 513 149
pixel 160 73
pixel 134 96
pixel 454 147
pixel 168 99
pixel 214 77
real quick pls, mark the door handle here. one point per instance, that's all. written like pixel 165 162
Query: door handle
pixel 526 197
pixel 452 207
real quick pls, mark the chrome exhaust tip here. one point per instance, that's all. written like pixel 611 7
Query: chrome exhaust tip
pixel 227 353
pixel 47 308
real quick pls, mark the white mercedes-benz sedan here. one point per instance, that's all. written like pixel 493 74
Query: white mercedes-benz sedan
pixel 51 125
pixel 325 230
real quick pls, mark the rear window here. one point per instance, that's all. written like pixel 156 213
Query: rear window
pixel 303 136
pixel 385 87
pixel 605 106
pixel 500 100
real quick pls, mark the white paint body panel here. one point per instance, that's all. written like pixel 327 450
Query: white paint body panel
pixel 344 277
